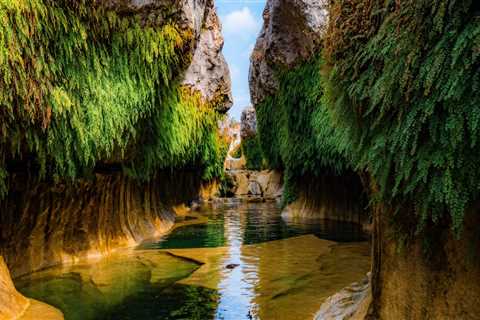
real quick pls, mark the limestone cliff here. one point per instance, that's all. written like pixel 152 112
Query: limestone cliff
pixel 291 33
pixel 294 134
pixel 374 91
pixel 112 144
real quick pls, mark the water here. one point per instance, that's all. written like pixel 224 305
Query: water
pixel 243 262
pixel 251 224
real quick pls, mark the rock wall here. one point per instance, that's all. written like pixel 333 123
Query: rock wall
pixel 43 225
pixel 339 198
pixel 291 33
pixel 45 222
pixel 407 283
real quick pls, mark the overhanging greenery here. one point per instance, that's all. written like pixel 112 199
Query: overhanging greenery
pixel 80 85
pixel 405 79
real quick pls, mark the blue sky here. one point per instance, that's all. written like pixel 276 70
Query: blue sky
pixel 241 22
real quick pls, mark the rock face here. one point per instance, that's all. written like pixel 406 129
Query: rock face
pixel 209 73
pixel 407 284
pixel 351 303
pixel 265 185
pixel 329 197
pixel 292 30
pixel 248 123
pixel 15 306
pixel 44 225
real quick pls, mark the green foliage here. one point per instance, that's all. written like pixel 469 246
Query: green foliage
pixel 80 85
pixel 252 152
pixel 297 132
pixel 406 80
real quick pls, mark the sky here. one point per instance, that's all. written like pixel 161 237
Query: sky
pixel 241 23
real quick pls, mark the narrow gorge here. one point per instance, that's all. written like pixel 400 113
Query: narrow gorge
pixel 347 190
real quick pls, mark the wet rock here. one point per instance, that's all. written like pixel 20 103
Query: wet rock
pixel 232 265
pixel 350 303
pixel 14 305
pixel 248 123
pixel 291 33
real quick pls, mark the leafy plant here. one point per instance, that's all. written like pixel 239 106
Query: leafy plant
pixel 405 78
pixel 296 131
pixel 81 85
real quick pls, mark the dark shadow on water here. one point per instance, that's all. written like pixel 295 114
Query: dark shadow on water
pixel 172 303
pixel 261 222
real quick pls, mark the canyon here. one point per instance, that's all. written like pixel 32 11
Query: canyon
pixel 349 190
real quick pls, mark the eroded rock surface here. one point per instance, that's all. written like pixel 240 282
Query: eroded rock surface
pixel 266 184
pixel 208 73
pixel 291 33
pixel 351 303
pixel 44 225
pixel 248 123
pixel 14 305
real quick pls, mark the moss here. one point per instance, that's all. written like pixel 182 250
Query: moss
pixel 253 154
pixel 296 131
pixel 82 85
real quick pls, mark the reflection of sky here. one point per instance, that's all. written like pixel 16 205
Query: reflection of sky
pixel 237 285
pixel 241 20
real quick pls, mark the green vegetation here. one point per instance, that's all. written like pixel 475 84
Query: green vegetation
pixel 297 132
pixel 405 79
pixel 252 152
pixel 81 85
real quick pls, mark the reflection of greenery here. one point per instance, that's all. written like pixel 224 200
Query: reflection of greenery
pixel 199 304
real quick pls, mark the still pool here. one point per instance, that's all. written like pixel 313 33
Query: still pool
pixel 230 261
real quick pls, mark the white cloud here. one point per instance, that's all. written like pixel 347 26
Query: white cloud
pixel 240 23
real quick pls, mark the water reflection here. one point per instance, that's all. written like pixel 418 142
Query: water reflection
pixel 251 265
pixel 237 285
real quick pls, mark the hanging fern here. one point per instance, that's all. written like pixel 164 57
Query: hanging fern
pixel 80 84
pixel 405 78
pixel 297 132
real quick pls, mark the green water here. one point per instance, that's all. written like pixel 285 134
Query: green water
pixel 149 282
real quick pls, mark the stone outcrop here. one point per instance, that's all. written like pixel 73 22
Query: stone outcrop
pixel 351 303
pixel 208 73
pixel 257 185
pixel 14 305
pixel 248 123
pixel 291 33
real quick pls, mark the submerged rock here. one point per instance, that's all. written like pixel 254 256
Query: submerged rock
pixel 350 303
